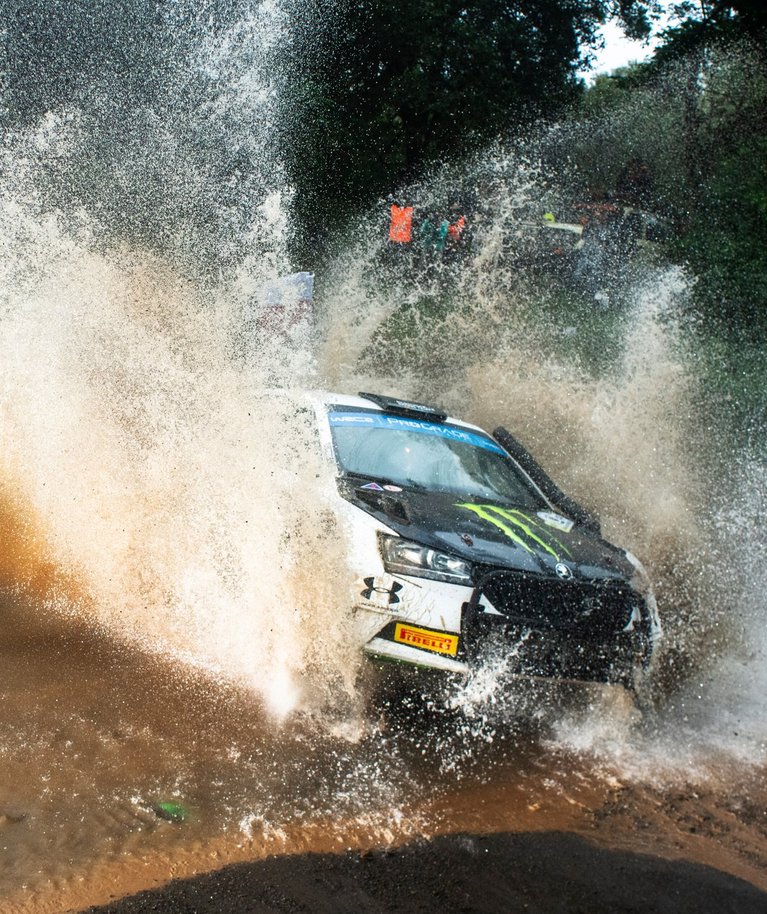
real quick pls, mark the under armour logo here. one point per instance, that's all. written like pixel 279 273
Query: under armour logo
pixel 370 584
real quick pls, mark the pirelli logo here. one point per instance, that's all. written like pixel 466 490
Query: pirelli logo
pixel 439 642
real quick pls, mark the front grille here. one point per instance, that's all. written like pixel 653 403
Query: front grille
pixel 602 609
pixel 552 628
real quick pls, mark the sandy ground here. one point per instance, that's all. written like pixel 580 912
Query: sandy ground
pixel 628 849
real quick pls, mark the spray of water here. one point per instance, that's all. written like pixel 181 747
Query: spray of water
pixel 143 462
pixel 717 715
pixel 162 479
pixel 179 506
pixel 500 335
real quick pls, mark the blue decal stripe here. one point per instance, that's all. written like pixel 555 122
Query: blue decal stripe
pixel 419 426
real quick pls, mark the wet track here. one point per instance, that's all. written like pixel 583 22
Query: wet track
pixel 96 735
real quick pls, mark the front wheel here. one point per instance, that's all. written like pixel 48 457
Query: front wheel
pixel 643 685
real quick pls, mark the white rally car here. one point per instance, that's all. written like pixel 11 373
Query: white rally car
pixel 463 545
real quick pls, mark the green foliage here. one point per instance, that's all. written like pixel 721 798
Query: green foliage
pixel 608 90
pixel 705 23
pixel 378 90
pixel 726 242
pixel 700 123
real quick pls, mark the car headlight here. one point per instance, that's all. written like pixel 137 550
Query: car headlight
pixel 401 556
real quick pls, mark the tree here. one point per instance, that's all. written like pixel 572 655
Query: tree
pixel 697 114
pixel 703 22
pixel 379 89
pixel 726 243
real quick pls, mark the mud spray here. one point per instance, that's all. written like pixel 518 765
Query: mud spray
pixel 174 582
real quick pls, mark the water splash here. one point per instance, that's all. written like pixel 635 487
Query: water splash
pixel 183 509
pixel 187 509
pixel 717 717
pixel 163 480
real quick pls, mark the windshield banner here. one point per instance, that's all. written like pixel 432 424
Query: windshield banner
pixel 381 420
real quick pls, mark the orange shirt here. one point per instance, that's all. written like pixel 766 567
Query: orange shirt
pixel 401 227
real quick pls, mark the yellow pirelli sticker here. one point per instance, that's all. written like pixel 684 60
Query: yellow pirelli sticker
pixel 431 641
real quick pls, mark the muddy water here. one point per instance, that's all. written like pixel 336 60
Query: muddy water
pixel 96 735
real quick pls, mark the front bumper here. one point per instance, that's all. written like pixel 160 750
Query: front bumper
pixel 593 631
pixel 537 628
pixel 381 648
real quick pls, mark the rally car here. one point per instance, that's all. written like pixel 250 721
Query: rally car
pixel 463 547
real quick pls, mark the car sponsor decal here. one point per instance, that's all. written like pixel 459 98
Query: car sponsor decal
pixel 374 486
pixel 372 585
pixel 391 488
pixel 518 526
pixel 420 426
pixel 483 511
pixel 534 523
pixel 439 642
pixel 556 520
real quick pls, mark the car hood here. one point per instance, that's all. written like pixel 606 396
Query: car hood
pixel 493 534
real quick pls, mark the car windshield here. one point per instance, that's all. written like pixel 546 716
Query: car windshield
pixel 434 456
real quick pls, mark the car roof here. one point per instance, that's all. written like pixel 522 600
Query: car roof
pixel 324 398
pixel 327 398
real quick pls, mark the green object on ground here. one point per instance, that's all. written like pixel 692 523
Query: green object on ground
pixel 172 812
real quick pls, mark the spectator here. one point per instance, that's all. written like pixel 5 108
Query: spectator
pixel 401 224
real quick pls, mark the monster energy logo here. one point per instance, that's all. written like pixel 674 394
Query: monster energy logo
pixel 519 527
